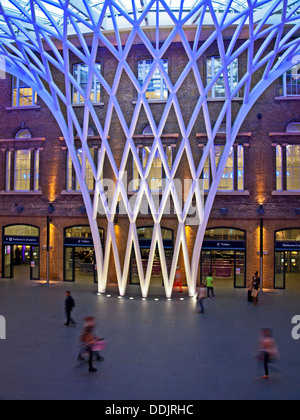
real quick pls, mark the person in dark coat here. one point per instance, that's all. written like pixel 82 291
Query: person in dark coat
pixel 69 306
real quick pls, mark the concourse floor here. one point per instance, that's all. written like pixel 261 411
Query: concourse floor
pixel 157 350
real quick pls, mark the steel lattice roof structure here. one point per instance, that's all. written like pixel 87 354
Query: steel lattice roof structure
pixel 37 36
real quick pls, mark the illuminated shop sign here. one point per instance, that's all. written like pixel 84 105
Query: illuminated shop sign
pixel 79 242
pixel 288 246
pixel 20 240
pixel 223 245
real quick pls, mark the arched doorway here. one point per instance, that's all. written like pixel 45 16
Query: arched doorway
pixel 145 237
pixel 287 259
pixel 21 252
pixel 79 256
pixel 224 255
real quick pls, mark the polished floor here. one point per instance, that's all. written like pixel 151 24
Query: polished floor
pixel 157 349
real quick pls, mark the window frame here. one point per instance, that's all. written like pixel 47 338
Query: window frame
pixel 16 97
pixel 237 179
pixel 212 92
pixel 285 84
pixel 22 171
pixel 282 179
pixel 72 183
pixel 143 71
pixel 95 89
pixel 141 154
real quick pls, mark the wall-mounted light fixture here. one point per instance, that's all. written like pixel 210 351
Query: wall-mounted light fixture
pixel 20 209
pixel 224 210
pixel 82 210
pixel 51 208
pixel 260 209
pixel 259 116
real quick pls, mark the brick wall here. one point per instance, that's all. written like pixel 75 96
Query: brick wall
pixel 242 209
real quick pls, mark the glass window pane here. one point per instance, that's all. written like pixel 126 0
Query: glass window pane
pixel 22 95
pixel 240 173
pixel 213 66
pixel 21 230
pixel 293 167
pixel 278 168
pixel 157 88
pixel 22 170
pixel 8 170
pixel 81 75
pixel 227 180
pixel 89 177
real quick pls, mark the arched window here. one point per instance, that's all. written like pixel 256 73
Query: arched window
pixel 293 127
pixel 148 131
pixel 24 133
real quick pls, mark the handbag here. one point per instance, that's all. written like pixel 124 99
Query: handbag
pixel 254 293
pixel 98 345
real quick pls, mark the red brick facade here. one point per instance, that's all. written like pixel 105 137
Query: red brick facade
pixel 260 180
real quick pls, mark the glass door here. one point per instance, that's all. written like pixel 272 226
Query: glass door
pixel 223 268
pixel 35 263
pixel 292 270
pixel 7 262
pixel 205 265
pixel 69 264
pixel 240 271
pixel 279 270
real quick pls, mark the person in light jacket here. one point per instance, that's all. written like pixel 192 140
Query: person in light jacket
pixel 201 297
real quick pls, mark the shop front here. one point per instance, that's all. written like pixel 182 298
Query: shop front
pixel 224 256
pixel 21 252
pixel 287 259
pixel 145 239
pixel 79 255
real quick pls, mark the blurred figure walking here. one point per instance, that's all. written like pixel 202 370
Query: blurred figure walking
pixel 178 282
pixel 267 350
pixel 90 343
pixel 201 296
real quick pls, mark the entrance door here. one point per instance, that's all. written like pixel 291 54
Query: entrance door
pixel 145 240
pixel 21 262
pixel 223 267
pixel 227 267
pixel 279 270
pixel 80 264
pixel 292 270
pixel 287 270
pixel 35 263
pixel 7 262
pixel 21 252
pixel 240 269
pixel 156 276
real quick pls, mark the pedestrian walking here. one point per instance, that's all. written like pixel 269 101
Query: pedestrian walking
pixel 178 281
pixel 90 343
pixel 267 350
pixel 210 286
pixel 255 287
pixel 69 306
pixel 201 296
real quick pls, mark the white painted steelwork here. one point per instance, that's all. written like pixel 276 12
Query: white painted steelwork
pixel 39 35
